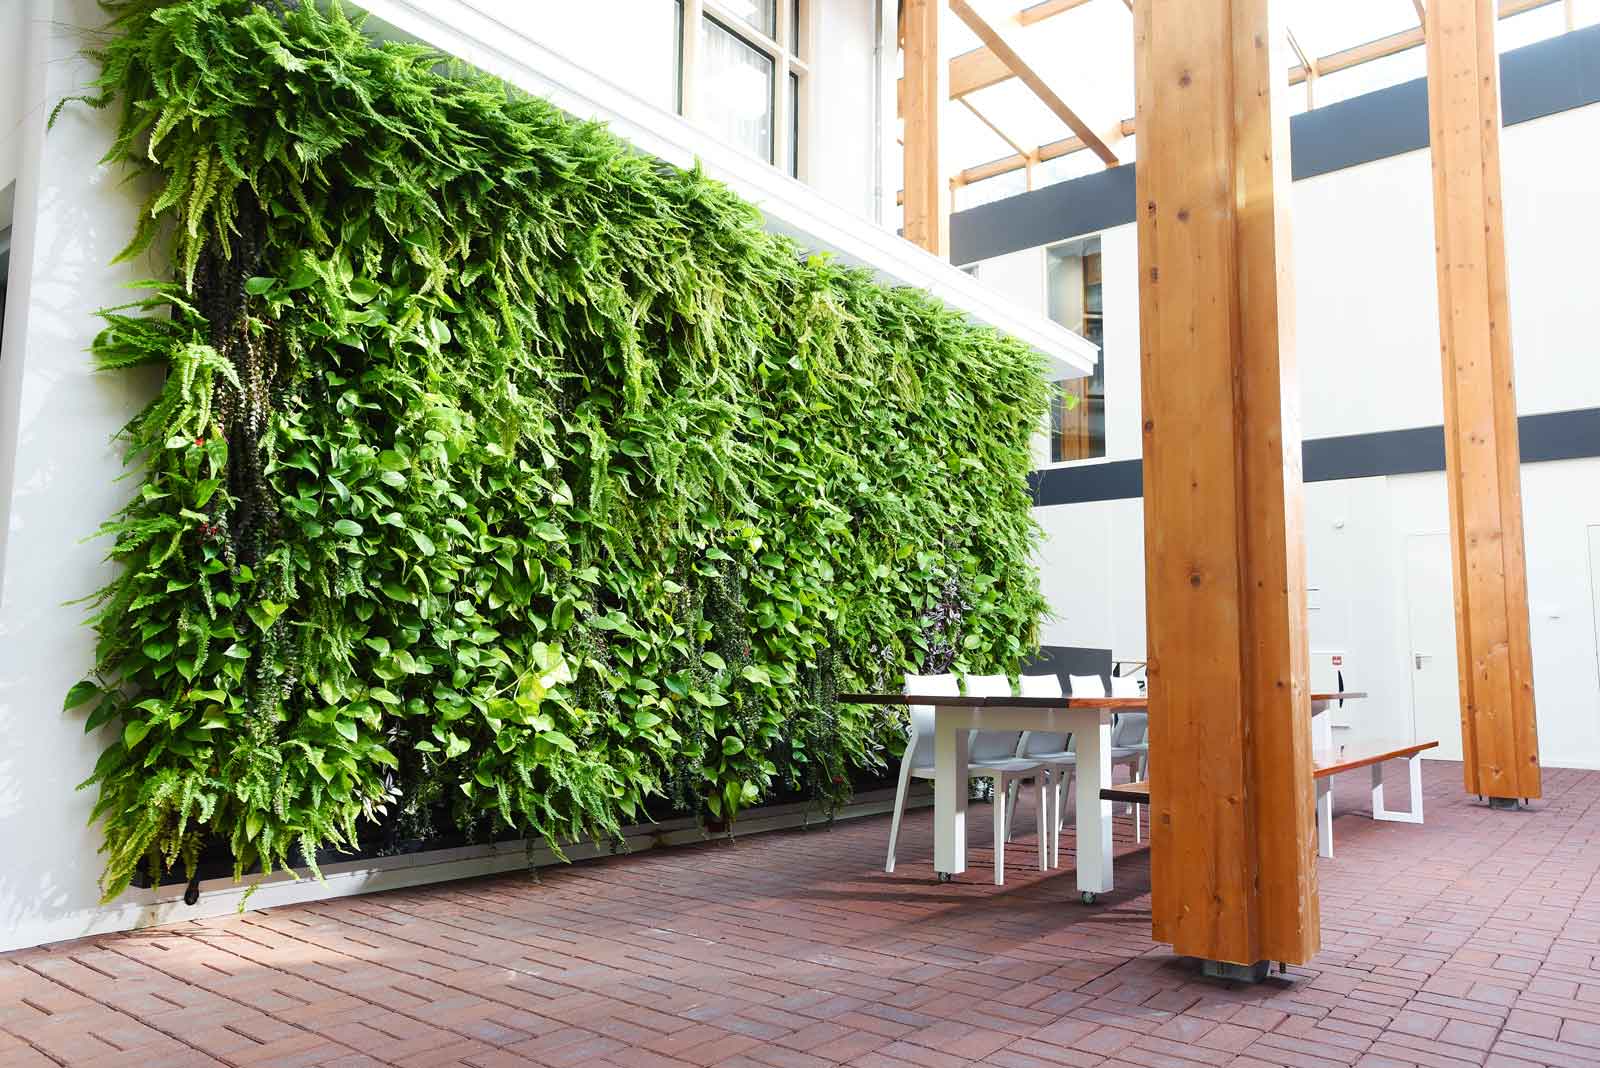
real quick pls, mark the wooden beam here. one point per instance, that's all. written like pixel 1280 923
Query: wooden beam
pixel 1047 9
pixel 1310 66
pixel 1002 41
pixel 1016 146
pixel 1483 468
pixel 1233 870
pixel 1422 15
pixel 981 68
pixel 927 76
pixel 1395 43
pixel 1298 74
pixel 1053 150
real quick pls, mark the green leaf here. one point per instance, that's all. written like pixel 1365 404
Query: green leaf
pixel 80 693
pixel 560 741
pixel 258 285
pixel 265 614
pixel 348 527
pixel 134 732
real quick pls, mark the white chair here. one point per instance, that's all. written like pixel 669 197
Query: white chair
pixel 991 755
pixel 1130 743
pixel 1054 751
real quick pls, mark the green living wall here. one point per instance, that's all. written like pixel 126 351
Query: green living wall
pixel 502 474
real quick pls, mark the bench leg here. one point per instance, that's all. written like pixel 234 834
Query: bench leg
pixel 1325 816
pixel 1379 812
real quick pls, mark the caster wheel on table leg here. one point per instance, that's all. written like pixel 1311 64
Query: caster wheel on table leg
pixel 1089 897
pixel 945 876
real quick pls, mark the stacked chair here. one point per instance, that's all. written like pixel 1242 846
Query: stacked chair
pixel 991 755
pixel 1010 758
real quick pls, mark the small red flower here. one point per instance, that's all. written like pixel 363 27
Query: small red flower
pixel 199 441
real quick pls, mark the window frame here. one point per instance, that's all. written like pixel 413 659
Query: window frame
pixel 1048 430
pixel 791 81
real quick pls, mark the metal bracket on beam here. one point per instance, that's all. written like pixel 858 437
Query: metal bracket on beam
pixel 1238 973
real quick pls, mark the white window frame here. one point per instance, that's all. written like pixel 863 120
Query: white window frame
pixel 787 156
pixel 1044 281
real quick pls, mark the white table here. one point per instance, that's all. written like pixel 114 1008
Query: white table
pixel 1087 719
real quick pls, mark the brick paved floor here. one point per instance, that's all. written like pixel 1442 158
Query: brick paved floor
pixel 1473 940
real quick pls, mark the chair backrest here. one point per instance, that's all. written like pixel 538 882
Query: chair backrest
pixel 1125 686
pixel 991 745
pixel 1063 661
pixel 1039 686
pixel 1087 685
pixel 920 736
pixel 1131 729
pixel 1036 742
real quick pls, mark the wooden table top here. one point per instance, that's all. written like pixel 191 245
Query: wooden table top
pixel 1113 703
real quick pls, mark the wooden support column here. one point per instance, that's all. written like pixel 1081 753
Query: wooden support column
pixel 1232 867
pixel 1499 738
pixel 927 87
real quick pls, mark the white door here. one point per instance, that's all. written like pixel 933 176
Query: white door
pixel 1430 605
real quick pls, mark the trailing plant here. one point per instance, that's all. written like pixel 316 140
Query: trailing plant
pixel 501 468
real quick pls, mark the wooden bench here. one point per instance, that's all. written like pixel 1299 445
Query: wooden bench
pixel 1134 793
pixel 1326 765
pixel 1323 768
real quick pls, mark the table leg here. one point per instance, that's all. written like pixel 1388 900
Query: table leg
pixel 1093 740
pixel 949 792
pixel 1325 816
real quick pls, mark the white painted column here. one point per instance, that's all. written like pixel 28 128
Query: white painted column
pixel 58 479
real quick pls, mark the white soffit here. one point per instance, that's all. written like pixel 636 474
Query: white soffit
pixel 790 207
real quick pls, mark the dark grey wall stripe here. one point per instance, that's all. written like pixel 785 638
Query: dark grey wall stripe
pixel 1537 80
pixel 1376 125
pixel 1081 206
pixel 1114 481
pixel 1548 436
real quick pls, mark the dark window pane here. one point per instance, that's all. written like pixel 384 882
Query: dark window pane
pixel 794 125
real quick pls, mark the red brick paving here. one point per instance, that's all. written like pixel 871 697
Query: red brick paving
pixel 1471 941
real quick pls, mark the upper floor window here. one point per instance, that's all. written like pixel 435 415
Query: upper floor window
pixel 1073 283
pixel 742 76
pixel 736 68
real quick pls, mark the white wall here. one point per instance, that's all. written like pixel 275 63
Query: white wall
pixel 57 474
pixel 1366 302
pixel 13 21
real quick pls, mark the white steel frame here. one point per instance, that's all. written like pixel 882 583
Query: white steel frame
pixel 1379 810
